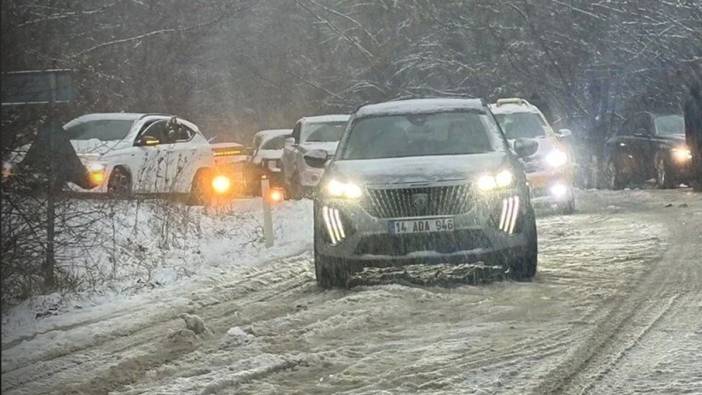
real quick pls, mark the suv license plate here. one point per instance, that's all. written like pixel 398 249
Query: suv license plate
pixel 422 225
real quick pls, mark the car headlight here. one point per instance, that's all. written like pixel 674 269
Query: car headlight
pixel 338 189
pixel 96 172
pixel 681 154
pixel 556 158
pixel 502 179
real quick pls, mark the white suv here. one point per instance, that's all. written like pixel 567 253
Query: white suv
pixel 550 170
pixel 129 153
pixel 310 136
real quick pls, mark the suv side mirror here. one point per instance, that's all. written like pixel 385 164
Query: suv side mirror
pixel 290 141
pixel 316 158
pixel 525 147
pixel 147 140
pixel 564 133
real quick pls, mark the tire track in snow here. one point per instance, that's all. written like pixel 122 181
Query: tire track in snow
pixel 637 314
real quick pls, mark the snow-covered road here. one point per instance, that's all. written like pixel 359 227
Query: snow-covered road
pixel 616 307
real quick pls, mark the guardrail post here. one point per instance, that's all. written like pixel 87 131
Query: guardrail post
pixel 268 235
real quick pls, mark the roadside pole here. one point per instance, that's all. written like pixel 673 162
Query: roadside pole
pixel 268 235
pixel 47 88
pixel 50 198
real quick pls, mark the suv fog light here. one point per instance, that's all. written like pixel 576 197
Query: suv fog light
pixel 510 212
pixel 335 228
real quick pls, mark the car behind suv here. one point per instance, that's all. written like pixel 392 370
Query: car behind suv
pixel 423 181
pixel 310 133
pixel 147 154
pixel 648 145
pixel 550 171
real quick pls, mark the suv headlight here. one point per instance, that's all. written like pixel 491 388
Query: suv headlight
pixel 556 158
pixel 681 154
pixel 338 189
pixel 502 179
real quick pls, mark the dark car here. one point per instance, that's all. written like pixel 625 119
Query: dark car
pixel 424 181
pixel 648 145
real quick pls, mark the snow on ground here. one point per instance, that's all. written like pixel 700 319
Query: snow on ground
pixel 270 329
pixel 161 247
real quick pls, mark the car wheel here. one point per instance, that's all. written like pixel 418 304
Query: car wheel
pixel 612 177
pixel 663 176
pixel 524 266
pixel 120 183
pixel 200 189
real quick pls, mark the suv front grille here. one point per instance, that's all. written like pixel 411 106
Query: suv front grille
pixel 418 202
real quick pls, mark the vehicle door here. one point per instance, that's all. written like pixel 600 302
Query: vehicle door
pixel 149 170
pixel 186 152
pixel 290 152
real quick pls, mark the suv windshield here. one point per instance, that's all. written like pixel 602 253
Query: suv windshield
pixel 449 133
pixel 323 132
pixel 521 125
pixel 103 129
pixel 275 143
pixel 668 125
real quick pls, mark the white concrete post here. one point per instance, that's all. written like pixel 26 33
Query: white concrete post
pixel 268 235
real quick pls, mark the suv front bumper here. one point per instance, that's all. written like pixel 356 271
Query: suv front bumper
pixel 368 242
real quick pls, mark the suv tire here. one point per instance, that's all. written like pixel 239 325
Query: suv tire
pixel 663 174
pixel 612 177
pixel 120 183
pixel 524 266
pixel 200 189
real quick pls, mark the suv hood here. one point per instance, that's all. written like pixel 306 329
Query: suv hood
pixel 329 146
pixel 418 169
pixel 94 146
pixel 673 140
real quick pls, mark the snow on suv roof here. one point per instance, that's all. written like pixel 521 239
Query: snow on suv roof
pixel 273 132
pixel 419 106
pixel 127 116
pixel 327 118
pixel 512 105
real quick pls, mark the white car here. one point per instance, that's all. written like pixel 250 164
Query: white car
pixel 311 134
pixel 129 153
pixel 550 170
pixel 268 149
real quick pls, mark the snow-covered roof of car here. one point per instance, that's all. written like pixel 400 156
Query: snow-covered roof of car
pixel 274 132
pixel 127 116
pixel 326 118
pixel 512 105
pixel 419 106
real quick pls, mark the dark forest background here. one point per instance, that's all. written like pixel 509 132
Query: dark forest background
pixel 237 66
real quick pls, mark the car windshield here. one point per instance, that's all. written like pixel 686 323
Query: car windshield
pixel 521 125
pixel 102 129
pixel 274 143
pixel 449 133
pixel 323 132
pixel 668 125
